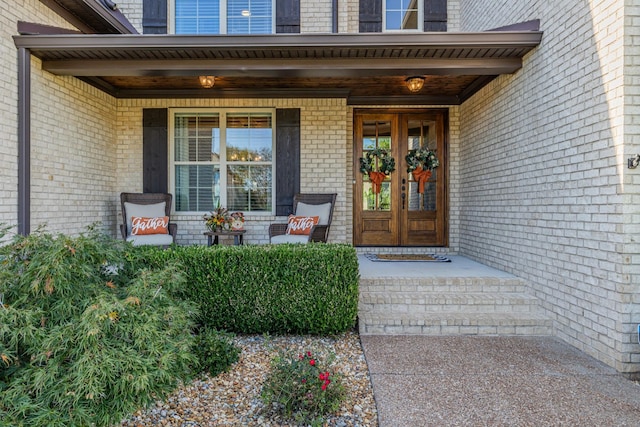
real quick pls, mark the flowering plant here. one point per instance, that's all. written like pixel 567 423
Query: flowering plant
pixel 386 162
pixel 217 219
pixel 422 158
pixel 301 389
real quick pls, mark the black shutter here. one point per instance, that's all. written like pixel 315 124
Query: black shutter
pixel 154 17
pixel 155 150
pixel 435 15
pixel 287 158
pixel 287 16
pixel 370 16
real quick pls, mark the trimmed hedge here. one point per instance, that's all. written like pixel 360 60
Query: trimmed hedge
pixel 305 289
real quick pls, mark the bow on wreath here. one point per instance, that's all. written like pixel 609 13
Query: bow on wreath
pixel 385 165
pixel 421 162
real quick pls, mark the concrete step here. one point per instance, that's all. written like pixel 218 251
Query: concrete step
pixel 449 306
pixel 444 284
pixel 454 323
pixel 434 302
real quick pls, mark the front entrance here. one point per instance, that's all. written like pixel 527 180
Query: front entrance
pixel 399 211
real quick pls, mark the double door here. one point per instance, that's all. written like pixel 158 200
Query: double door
pixel 399 211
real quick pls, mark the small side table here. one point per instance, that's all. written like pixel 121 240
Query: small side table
pixel 212 236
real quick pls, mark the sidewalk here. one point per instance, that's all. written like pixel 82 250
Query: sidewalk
pixel 494 381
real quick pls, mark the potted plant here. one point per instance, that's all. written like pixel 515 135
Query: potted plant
pixel 218 219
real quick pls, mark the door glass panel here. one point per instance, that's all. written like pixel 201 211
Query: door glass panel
pixel 376 135
pixel 422 134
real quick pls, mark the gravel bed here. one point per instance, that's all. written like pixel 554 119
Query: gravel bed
pixel 233 398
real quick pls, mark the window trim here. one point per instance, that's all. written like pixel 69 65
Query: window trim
pixel 222 112
pixel 171 17
pixel 384 18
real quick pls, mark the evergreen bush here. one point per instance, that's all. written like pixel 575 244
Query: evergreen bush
pixel 86 335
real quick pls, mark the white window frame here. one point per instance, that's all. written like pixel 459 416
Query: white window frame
pixel 171 17
pixel 222 112
pixel 420 19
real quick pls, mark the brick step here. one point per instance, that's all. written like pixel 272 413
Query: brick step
pixel 432 302
pixel 454 323
pixel 443 284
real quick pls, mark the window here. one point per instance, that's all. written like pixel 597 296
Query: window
pixel 402 15
pixel 222 157
pixel 223 16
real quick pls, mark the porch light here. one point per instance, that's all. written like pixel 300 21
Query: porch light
pixel 207 82
pixel 414 83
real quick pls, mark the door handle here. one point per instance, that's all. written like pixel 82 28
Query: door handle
pixel 404 196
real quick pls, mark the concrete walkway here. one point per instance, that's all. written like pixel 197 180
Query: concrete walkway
pixel 494 381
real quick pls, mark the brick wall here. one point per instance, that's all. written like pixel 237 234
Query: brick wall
pixel 543 175
pixel 324 158
pixel 72 154
pixel 70 135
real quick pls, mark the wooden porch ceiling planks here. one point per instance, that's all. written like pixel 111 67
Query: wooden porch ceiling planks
pixel 356 65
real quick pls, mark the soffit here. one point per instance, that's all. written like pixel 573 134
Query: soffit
pixel 365 68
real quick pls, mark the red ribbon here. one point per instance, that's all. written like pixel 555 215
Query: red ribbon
pixel 376 179
pixel 421 176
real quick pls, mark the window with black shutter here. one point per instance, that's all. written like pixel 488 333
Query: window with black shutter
pixel 376 16
pixel 208 17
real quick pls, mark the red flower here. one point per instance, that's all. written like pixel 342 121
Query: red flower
pixel 321 377
pixel 304 380
pixel 309 353
pixel 324 386
pixel 312 362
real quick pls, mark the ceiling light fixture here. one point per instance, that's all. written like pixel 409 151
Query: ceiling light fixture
pixel 207 82
pixel 414 83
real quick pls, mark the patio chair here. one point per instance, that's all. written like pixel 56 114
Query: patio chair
pixel 306 205
pixel 155 208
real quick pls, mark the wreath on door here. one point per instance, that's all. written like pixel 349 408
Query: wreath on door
pixel 386 164
pixel 420 163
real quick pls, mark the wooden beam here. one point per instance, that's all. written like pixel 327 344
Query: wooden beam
pixel 347 67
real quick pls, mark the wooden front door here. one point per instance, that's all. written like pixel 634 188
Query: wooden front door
pixel 400 215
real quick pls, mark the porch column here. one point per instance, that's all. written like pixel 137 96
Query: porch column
pixel 24 141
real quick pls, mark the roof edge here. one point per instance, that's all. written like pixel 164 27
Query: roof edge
pixel 354 40
pixel 104 12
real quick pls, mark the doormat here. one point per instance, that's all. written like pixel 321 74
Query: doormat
pixel 407 257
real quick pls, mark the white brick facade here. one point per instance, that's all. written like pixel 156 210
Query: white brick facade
pixel 72 148
pixel 538 182
pixel 545 190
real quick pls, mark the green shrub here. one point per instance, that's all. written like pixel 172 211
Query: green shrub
pixel 80 345
pixel 302 388
pixel 306 289
pixel 216 351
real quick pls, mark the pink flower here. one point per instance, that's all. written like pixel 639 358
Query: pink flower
pixel 304 380
pixel 309 353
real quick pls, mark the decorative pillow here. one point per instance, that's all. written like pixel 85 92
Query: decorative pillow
pixel 154 210
pixel 321 211
pixel 142 226
pixel 301 224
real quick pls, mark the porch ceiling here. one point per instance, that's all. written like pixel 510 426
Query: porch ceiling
pixel 364 68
